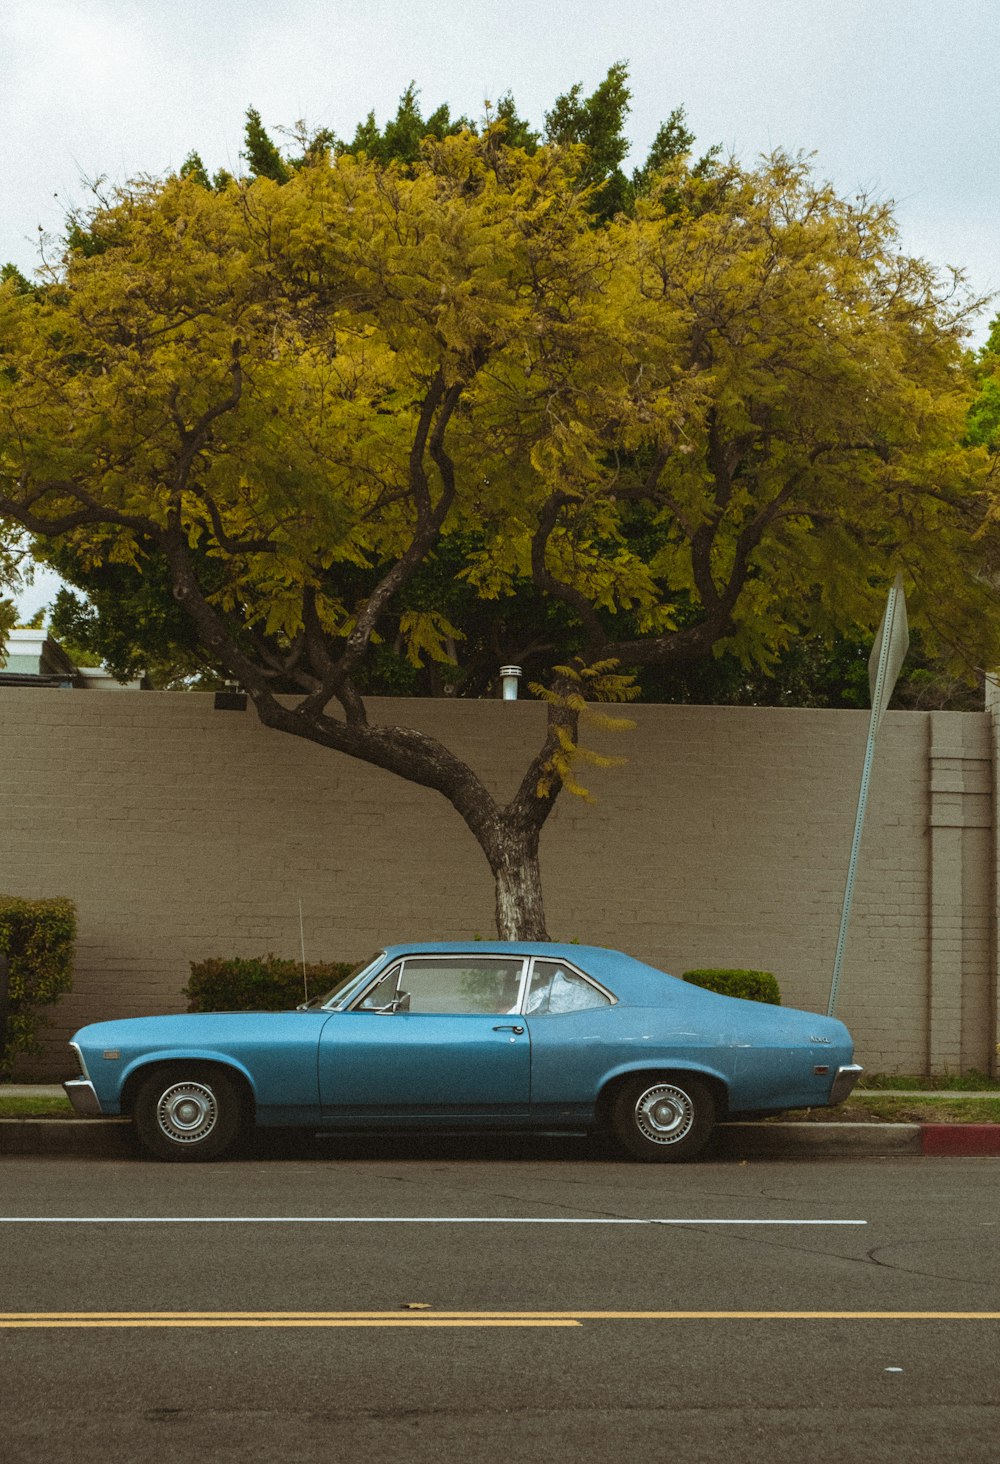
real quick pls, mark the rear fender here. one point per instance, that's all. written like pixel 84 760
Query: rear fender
pixel 715 1080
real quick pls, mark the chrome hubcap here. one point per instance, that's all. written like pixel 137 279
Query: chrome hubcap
pixel 187 1112
pixel 664 1114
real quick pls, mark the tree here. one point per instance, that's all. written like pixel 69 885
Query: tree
pixel 13 572
pixel 12 276
pixel 984 414
pixel 8 619
pixel 597 123
pixel 15 555
pixel 130 623
pixel 710 425
pixel 401 139
pixel 263 157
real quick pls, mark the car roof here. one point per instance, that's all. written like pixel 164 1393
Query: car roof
pixel 622 974
pixel 552 949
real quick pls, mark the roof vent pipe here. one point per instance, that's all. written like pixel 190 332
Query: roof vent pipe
pixel 511 676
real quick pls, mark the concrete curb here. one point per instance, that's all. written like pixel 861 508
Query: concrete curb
pixel 113 1138
pixel 83 1138
pixel 816 1140
pixel 960 1138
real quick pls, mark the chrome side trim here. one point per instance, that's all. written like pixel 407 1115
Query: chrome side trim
pixel 844 1082
pixel 80 1092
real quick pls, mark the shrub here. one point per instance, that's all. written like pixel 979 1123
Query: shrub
pixel 259 983
pixel 750 985
pixel 38 937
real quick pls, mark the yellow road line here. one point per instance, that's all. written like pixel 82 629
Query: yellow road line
pixel 783 1316
pixel 30 1320
pixel 273 1322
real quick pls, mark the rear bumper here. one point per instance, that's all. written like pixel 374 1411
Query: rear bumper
pixel 844 1082
pixel 80 1092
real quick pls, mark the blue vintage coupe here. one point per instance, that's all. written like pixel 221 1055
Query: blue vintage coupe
pixel 485 1035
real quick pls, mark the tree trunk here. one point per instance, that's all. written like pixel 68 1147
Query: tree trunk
pixel 508 836
pixel 520 912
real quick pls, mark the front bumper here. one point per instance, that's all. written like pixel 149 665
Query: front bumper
pixel 80 1092
pixel 844 1082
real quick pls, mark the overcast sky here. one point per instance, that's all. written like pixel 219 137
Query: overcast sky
pixel 895 97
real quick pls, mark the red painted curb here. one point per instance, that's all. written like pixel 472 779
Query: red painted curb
pixel 960 1138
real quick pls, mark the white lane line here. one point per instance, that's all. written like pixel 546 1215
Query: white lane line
pixel 385 1220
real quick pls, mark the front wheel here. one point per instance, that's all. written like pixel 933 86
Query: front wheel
pixel 188 1112
pixel 663 1120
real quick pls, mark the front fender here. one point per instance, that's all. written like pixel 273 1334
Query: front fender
pixel 135 1069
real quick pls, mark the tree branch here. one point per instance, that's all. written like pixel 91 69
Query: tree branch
pixel 193 439
pixel 430 517
pixel 90 513
pixel 546 580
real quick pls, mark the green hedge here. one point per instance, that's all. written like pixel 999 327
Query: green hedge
pixel 750 985
pixel 259 983
pixel 38 937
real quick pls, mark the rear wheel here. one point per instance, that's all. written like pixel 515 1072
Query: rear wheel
pixel 663 1120
pixel 188 1112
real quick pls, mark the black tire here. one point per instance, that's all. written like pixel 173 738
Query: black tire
pixel 663 1120
pixel 188 1112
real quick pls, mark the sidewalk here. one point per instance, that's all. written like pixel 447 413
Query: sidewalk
pixel 31 1090
pixel 113 1138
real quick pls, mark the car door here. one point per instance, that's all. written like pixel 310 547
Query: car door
pixel 576 1039
pixel 435 1038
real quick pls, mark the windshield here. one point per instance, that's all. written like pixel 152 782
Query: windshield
pixel 341 986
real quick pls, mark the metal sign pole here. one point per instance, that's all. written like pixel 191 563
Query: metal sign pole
pixel 859 819
pixel 883 672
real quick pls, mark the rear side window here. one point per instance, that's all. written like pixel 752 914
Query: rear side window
pixel 556 988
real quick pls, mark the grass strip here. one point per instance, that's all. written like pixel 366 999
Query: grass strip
pixel 44 1106
pixel 948 1108
pixel 970 1082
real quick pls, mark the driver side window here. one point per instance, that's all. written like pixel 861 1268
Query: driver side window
pixel 462 985
pixel 453 985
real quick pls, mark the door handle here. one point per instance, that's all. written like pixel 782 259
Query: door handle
pixel 507 1027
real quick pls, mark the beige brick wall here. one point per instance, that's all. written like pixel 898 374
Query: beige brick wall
pixel 182 832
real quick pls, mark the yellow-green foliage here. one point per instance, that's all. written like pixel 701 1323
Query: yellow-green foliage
pixel 575 692
pixel 749 361
pixel 38 938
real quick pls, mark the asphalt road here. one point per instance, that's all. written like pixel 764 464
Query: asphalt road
pixel 476 1301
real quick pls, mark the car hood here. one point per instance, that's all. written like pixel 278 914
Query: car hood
pixel 189 1027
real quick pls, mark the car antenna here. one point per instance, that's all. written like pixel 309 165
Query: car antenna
pixel 302 946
